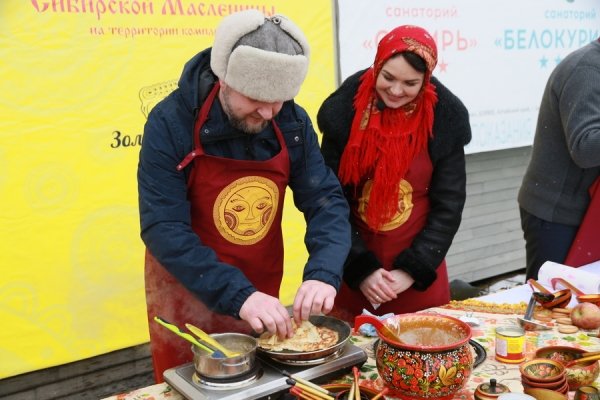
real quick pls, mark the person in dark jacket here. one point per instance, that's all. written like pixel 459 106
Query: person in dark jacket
pixel 395 136
pixel 565 162
pixel 217 156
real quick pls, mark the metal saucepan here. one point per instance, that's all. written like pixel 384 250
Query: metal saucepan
pixel 314 357
pixel 228 367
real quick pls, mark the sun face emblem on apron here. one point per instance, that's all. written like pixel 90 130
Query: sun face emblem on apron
pixel 245 209
pixel 403 211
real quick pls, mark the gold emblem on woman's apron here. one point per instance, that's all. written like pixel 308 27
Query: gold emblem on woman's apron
pixel 245 209
pixel 403 211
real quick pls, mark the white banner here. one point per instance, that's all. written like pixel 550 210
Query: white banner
pixel 495 55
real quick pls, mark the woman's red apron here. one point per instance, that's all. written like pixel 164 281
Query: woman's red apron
pixel 387 243
pixel 236 209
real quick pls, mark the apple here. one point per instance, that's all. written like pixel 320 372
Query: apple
pixel 586 316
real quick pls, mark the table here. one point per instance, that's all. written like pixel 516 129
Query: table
pixel 489 315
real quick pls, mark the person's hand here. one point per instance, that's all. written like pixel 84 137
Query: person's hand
pixel 313 297
pixel 264 312
pixel 378 287
pixel 402 281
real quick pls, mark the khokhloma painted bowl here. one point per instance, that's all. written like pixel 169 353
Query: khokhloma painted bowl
pixel 578 374
pixel 433 361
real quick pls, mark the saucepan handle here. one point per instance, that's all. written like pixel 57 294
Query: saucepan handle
pixel 236 364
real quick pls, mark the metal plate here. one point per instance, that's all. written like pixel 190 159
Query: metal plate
pixel 480 353
pixel 318 356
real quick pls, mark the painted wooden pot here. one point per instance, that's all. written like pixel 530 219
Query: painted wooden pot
pixel 433 360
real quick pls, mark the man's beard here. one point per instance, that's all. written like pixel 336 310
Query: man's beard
pixel 239 122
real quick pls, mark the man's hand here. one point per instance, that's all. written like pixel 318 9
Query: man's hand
pixel 313 297
pixel 264 312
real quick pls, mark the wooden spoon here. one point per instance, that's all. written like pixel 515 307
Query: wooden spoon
pixel 355 383
pixel 579 295
pixel 567 284
pixel 581 360
pixel 586 354
pixel 561 297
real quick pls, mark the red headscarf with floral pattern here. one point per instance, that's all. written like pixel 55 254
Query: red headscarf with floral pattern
pixel 383 143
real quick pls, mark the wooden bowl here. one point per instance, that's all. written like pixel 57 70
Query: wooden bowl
pixel 561 299
pixel 589 298
pixel 554 385
pixel 577 375
pixel 542 370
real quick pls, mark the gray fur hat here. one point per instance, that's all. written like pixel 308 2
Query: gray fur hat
pixel 265 59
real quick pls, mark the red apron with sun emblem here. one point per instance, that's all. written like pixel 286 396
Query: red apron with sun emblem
pixel 236 210
pixel 394 237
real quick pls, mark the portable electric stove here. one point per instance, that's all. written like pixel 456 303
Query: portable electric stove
pixel 266 382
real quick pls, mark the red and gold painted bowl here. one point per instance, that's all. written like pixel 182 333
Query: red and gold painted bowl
pixel 578 374
pixel 433 360
pixel 542 370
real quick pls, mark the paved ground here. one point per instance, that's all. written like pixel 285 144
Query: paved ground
pixel 502 282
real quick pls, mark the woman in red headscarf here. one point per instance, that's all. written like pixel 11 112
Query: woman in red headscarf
pixel 395 136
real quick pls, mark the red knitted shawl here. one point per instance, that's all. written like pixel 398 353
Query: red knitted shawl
pixel 382 144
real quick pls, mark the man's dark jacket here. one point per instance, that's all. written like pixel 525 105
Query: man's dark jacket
pixel 165 210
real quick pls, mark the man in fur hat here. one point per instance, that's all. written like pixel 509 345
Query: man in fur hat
pixel 217 156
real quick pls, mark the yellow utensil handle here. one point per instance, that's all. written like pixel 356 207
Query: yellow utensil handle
pixel 176 330
pixel 210 340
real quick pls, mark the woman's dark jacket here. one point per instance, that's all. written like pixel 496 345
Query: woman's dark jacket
pixel 451 131
pixel 165 210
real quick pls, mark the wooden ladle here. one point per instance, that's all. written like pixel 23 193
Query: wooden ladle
pixel 579 295
pixel 561 297
pixel 526 322
pixel 591 356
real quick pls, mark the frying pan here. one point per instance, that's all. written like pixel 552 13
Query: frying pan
pixel 314 357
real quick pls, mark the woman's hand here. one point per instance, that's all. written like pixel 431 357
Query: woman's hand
pixel 383 285
pixel 379 286
pixel 402 280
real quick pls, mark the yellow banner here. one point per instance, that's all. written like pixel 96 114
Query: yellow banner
pixel 78 80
